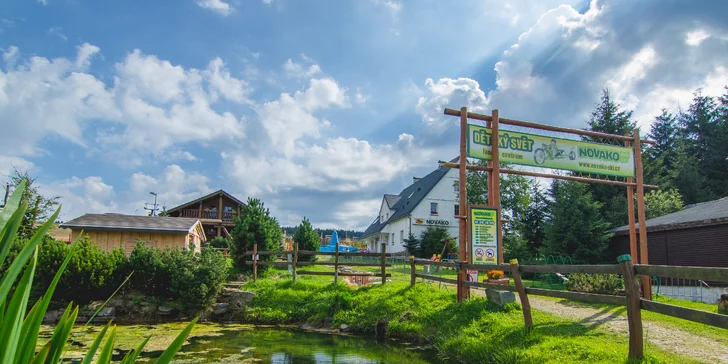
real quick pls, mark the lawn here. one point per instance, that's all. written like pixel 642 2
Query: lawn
pixel 475 331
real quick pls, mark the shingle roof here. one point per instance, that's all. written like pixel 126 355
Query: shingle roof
pixel 203 198
pixel 701 214
pixel 131 223
pixel 409 198
pixel 391 200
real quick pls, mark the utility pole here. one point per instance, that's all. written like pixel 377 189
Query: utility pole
pixel 152 210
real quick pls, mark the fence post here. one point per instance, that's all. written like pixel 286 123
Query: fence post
pixel 384 263
pixel 295 260
pixel 255 262
pixel 634 315
pixel 336 265
pixel 522 294
pixel 413 271
pixel 460 285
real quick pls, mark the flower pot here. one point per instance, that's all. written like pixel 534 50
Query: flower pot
pixel 503 281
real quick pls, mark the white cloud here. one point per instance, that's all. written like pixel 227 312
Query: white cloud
pixel 58 32
pixel 361 98
pixel 449 93
pixel 43 2
pixel 217 6
pixel 82 195
pixel 297 70
pixel 267 2
pixel 393 6
pixel 85 52
pixel 695 37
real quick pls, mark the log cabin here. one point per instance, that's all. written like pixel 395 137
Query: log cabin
pixel 216 211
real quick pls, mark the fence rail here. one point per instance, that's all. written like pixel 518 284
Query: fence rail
pixel 632 297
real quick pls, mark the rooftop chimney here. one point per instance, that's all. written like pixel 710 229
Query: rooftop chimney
pixel 416 179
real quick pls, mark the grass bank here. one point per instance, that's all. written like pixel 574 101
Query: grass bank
pixel 473 332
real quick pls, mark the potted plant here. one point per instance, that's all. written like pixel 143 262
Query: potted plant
pixel 497 277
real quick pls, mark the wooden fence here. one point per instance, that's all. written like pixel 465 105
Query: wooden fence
pixel 294 263
pixel 632 298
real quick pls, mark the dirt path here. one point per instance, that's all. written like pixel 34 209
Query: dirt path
pixel 667 338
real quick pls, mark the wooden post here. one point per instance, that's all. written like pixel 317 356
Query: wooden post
pixel 336 264
pixel 526 306
pixel 384 263
pixel 462 277
pixel 646 284
pixel 634 315
pixel 295 260
pixel 413 271
pixel 199 213
pixel 219 208
pixel 496 181
pixel 463 197
pixel 255 262
pixel 630 212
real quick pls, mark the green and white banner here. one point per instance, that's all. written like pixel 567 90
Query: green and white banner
pixel 542 151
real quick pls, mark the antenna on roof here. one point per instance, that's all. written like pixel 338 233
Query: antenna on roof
pixel 152 210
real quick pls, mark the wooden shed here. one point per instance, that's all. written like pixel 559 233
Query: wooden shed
pixel 695 236
pixel 111 231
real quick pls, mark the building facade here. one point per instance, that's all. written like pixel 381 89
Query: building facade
pixel 216 211
pixel 111 231
pixel 428 201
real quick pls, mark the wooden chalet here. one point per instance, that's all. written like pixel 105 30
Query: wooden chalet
pixel 216 211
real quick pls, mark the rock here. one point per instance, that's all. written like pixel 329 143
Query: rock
pixel 247 350
pixel 236 297
pixel 344 328
pixel 307 327
pixel 52 316
pixel 107 312
pixel 499 298
pixel 220 308
pixel 165 311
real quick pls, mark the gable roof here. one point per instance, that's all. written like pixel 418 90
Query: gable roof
pixel 131 223
pixel 700 214
pixel 391 200
pixel 203 198
pixel 409 198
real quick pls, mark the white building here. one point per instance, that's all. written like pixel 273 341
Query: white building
pixel 429 201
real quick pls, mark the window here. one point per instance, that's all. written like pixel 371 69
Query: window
pixel 387 215
pixel 401 236
pixel 433 208
pixel 456 186
pixel 457 210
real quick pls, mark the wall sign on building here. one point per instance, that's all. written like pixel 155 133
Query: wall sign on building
pixel 484 242
pixel 544 151
pixel 436 222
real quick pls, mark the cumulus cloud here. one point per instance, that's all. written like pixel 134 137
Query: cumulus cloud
pixel 556 70
pixel 217 6
pixel 294 69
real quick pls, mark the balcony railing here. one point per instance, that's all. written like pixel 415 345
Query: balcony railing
pixel 227 216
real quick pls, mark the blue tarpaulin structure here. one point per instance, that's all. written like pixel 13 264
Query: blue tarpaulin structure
pixel 332 245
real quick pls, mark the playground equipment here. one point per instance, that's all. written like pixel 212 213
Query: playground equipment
pixel 552 279
pixel 332 246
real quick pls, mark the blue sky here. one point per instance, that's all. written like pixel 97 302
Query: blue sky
pixel 316 107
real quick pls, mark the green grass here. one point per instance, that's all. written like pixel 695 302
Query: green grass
pixel 474 331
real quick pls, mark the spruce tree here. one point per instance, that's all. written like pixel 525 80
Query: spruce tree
pixel 254 226
pixel 432 241
pixel 412 245
pixel 577 227
pixel 306 238
pixel 533 222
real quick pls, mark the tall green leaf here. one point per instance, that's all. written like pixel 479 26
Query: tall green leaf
pixel 40 358
pixel 168 354
pixel 23 256
pixel 95 345
pixel 61 334
pixel 107 350
pixel 132 355
pixel 9 232
pixel 12 322
pixel 31 325
pixel 108 299
pixel 12 204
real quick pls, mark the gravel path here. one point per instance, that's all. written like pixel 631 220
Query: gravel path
pixel 667 338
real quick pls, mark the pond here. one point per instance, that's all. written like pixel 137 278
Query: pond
pixel 214 343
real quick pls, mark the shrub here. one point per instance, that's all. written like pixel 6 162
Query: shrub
pixel 90 275
pixel 594 283
pixel 220 242
pixel 254 226
pixel 194 279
